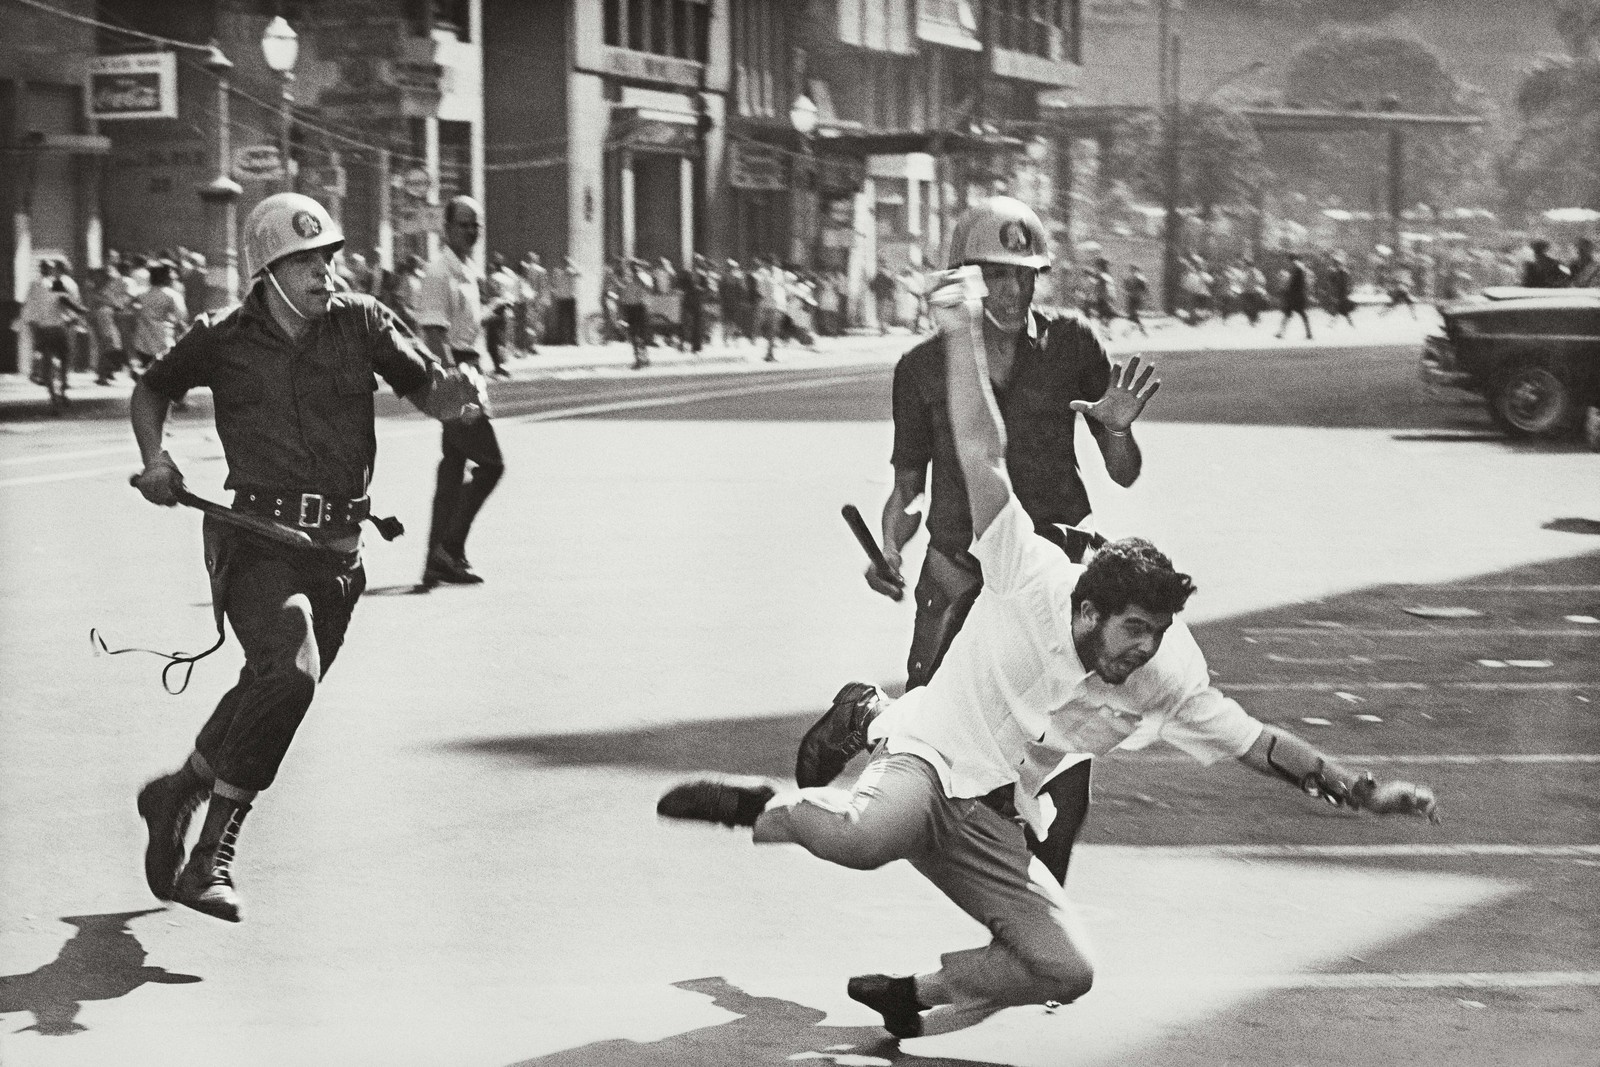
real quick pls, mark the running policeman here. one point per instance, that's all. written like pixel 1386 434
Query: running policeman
pixel 1056 660
pixel 1044 368
pixel 292 373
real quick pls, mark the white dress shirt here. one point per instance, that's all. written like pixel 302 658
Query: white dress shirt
pixel 451 296
pixel 1012 703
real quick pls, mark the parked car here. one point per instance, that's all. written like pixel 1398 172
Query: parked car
pixel 1532 354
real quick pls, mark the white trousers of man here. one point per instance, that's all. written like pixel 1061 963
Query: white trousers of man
pixel 975 856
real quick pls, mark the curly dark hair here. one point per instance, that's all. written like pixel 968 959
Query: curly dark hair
pixel 1132 571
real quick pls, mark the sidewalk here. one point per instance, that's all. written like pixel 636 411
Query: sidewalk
pixel 21 398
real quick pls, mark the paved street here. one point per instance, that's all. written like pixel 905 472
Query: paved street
pixel 460 863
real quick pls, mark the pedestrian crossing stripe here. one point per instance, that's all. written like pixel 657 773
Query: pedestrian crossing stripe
pixel 1334 687
pixel 1375 851
pixel 1419 980
pixel 1455 633
pixel 1458 759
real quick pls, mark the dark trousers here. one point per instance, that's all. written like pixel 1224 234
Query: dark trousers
pixel 494 335
pixel 289 609
pixel 456 498
pixel 52 352
pixel 564 331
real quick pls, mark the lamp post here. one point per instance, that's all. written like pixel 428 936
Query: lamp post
pixel 803 117
pixel 1172 149
pixel 280 47
pixel 221 197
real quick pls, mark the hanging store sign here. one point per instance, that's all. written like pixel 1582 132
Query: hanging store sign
pixel 141 85
pixel 755 166
pixel 258 163
pixel 652 130
pixel 952 23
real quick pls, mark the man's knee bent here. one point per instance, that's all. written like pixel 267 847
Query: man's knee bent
pixel 825 823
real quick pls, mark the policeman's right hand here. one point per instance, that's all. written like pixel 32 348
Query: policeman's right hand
pixel 890 583
pixel 160 482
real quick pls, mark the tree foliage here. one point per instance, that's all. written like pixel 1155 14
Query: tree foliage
pixel 1220 157
pixel 1555 161
pixel 1370 70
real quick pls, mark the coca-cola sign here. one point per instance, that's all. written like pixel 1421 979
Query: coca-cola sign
pixel 141 85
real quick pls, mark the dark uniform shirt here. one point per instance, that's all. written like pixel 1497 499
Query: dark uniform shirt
pixel 296 416
pixel 1059 359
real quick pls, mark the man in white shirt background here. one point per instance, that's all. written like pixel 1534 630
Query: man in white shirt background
pixel 451 315
pixel 1057 660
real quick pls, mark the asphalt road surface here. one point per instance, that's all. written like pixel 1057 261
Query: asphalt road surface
pixel 460 863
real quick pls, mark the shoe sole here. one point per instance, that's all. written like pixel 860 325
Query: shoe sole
pixel 808 742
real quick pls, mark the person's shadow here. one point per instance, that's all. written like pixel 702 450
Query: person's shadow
pixel 768 1031
pixel 102 961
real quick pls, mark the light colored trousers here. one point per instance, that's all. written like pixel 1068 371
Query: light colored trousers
pixel 973 854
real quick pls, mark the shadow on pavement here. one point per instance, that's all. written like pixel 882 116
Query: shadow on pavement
pixel 768 1031
pixel 761 745
pixel 102 961
pixel 1573 526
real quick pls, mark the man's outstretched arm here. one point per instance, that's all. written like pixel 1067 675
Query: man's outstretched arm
pixel 975 422
pixel 1280 754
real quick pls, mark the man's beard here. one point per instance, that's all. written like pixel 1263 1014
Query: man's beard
pixel 1092 654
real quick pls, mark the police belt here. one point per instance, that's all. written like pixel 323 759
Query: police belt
pixel 305 511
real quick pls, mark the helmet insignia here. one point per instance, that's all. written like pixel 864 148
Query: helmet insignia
pixel 305 224
pixel 1014 237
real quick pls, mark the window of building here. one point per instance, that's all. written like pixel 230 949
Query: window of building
pixel 761 52
pixel 455 159
pixel 1043 28
pixel 680 28
pixel 425 16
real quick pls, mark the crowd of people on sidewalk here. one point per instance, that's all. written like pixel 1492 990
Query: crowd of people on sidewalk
pixel 1209 290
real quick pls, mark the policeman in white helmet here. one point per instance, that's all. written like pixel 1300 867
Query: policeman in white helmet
pixel 1046 368
pixel 292 372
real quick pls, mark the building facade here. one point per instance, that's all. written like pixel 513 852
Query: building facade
pixel 51 156
pixel 606 121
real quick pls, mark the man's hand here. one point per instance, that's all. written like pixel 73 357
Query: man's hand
pixel 891 584
pixel 160 481
pixel 1395 798
pixel 955 298
pixel 458 393
pixel 1123 402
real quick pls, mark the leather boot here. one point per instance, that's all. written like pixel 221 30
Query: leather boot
pixel 167 805
pixel 206 884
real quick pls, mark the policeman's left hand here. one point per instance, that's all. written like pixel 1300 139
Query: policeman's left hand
pixel 1123 402
pixel 456 394
pixel 1399 798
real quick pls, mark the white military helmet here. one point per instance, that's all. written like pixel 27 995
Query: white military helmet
pixel 999 230
pixel 283 224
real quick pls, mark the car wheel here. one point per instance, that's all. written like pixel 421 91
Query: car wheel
pixel 1531 400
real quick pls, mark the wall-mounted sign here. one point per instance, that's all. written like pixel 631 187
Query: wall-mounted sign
pixel 257 163
pixel 952 23
pixel 141 85
pixel 646 66
pixel 755 166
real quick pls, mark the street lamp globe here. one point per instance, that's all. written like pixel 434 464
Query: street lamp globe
pixel 280 45
pixel 803 115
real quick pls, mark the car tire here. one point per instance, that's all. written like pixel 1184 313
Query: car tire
pixel 1531 399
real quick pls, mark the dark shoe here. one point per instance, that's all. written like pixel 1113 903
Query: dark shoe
pixel 836 737
pixel 893 998
pixel 727 802
pixel 206 884
pixel 167 805
pixel 443 567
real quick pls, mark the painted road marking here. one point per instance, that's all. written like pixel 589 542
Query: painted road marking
pixel 1455 633
pixel 1459 759
pixel 1380 980
pixel 1345 852
pixel 411 428
pixel 1386 687
pixel 666 400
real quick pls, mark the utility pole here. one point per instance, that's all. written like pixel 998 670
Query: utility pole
pixel 1171 112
